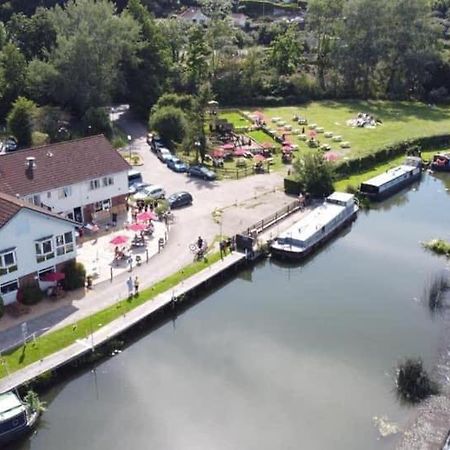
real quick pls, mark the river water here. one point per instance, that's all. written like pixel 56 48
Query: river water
pixel 280 357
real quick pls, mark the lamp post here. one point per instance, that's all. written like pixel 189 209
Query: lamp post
pixel 197 146
pixel 129 146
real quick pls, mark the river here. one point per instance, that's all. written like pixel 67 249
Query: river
pixel 280 357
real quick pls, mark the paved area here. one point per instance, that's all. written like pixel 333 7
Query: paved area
pixel 241 203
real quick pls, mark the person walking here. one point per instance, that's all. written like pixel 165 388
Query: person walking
pixel 136 286
pixel 130 286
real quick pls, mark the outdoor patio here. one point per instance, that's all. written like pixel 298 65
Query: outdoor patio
pixel 114 253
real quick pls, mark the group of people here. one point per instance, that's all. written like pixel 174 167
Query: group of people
pixel 133 286
pixel 364 120
pixel 226 246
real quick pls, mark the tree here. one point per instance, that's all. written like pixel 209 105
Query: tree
pixel 181 101
pixel 20 120
pixel 92 40
pixel 35 35
pixel 147 72
pixel 12 75
pixel 314 173
pixel 197 57
pixel 323 17
pixel 170 123
pixel 285 52
pixel 96 121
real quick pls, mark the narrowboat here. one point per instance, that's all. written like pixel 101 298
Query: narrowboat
pixel 338 210
pixel 441 162
pixel 392 180
pixel 16 417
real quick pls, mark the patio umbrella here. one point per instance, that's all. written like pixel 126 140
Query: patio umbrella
pixel 267 145
pixel 331 156
pixel 119 240
pixel 228 146
pixel 137 227
pixel 218 153
pixel 240 151
pixel 259 158
pixel 145 216
pixel 287 148
pixel 312 134
pixel 53 276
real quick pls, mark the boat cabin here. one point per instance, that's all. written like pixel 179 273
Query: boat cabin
pixel 13 414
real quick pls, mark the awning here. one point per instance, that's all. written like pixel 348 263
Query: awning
pixel 53 276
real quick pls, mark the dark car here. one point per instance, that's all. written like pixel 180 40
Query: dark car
pixel 202 172
pixel 177 165
pixel 179 199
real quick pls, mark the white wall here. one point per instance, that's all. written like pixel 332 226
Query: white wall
pixel 21 232
pixel 81 195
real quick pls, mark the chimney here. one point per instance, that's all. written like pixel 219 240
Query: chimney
pixel 31 162
pixel 30 165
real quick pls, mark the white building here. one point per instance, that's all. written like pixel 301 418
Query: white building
pixel 84 180
pixel 33 241
pixel 194 15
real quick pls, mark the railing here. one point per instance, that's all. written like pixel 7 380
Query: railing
pixel 260 226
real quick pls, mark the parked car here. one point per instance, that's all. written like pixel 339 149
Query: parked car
pixel 163 154
pixel 202 172
pixel 137 187
pixel 177 165
pixel 154 191
pixel 179 199
pixel 9 144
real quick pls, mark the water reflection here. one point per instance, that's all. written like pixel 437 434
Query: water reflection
pixel 280 357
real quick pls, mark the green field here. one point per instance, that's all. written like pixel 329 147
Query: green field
pixel 235 118
pixel 401 120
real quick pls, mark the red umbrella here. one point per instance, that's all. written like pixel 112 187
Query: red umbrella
pixel 331 156
pixel 218 153
pixel 259 158
pixel 284 143
pixel 287 147
pixel 267 145
pixel 53 276
pixel 119 240
pixel 312 134
pixel 137 227
pixel 240 151
pixel 228 146
pixel 145 216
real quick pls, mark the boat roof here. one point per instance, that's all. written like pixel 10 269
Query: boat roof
pixel 314 221
pixel 10 405
pixel 340 197
pixel 390 175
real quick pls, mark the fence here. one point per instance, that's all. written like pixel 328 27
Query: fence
pixel 260 226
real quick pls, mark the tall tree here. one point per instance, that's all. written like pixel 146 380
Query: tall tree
pixel 197 57
pixel 323 19
pixel 92 40
pixel 146 74
pixel 285 52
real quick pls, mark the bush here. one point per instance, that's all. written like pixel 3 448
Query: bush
pixel 29 294
pixel 75 276
pixel 170 123
pixel 292 186
pixel 2 307
pixel 38 138
pixel 413 382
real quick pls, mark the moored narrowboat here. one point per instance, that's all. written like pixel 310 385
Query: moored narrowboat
pixel 317 227
pixel 381 186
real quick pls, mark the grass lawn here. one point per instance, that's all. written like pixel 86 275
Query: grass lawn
pixel 57 340
pixel 401 120
pixel 235 118
pixel 262 138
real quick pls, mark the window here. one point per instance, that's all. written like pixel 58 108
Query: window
pixel 34 200
pixel 65 192
pixel 104 205
pixel 94 184
pixel 49 194
pixel 44 249
pixel 108 181
pixel 9 287
pixel 64 243
pixel 8 262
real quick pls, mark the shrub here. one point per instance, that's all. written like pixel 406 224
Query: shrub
pixel 2 307
pixel 413 382
pixel 95 121
pixel 75 275
pixel 29 294
pixel 39 138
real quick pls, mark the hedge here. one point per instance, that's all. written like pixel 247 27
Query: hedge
pixel 346 168
pixel 292 186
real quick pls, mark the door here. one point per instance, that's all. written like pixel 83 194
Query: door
pixel 78 215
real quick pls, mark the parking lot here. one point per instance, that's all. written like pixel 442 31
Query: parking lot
pixel 219 207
